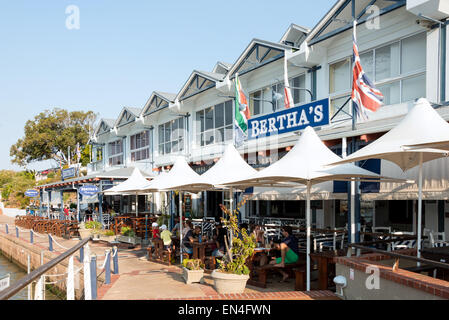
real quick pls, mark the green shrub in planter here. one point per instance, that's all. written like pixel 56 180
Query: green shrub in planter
pixel 234 262
pixel 93 225
pixel 193 264
pixel 127 232
pixel 109 233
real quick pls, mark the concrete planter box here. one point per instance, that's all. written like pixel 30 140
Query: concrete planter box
pixel 130 240
pixel 192 276
pixel 107 238
pixel 228 282
pixel 85 233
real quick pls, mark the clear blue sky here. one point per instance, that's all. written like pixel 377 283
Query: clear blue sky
pixel 123 51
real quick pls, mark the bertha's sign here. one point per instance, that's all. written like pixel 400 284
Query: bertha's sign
pixel 313 114
pixel 68 173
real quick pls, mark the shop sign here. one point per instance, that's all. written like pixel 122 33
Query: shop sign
pixel 312 114
pixel 31 193
pixel 89 190
pixel 68 173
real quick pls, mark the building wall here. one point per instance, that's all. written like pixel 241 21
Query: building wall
pixel 394 26
pixel 388 290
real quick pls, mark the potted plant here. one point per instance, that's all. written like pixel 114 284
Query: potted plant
pixel 233 273
pixel 193 270
pixel 107 235
pixel 127 235
pixel 91 228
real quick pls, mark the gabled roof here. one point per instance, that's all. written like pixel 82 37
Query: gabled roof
pixel 222 67
pixel 258 53
pixel 339 18
pixel 158 101
pixel 199 81
pixel 104 126
pixel 127 115
pixel 295 35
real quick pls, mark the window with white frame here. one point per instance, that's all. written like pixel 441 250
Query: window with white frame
pixel 115 152
pixel 262 102
pixel 140 146
pixel 171 137
pixel 397 69
pixel 214 124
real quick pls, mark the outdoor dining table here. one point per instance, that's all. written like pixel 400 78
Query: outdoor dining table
pixel 199 249
pixel 324 260
pixel 440 254
pixel 250 264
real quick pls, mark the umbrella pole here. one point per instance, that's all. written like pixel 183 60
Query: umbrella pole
pixel 137 205
pixel 308 235
pixel 352 226
pixel 231 208
pixel 180 225
pixel 418 254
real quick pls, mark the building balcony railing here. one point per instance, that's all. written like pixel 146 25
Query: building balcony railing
pixel 95 167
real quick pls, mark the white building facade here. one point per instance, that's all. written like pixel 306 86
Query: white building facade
pixel 403 50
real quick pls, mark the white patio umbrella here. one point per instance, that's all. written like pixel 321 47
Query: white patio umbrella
pixel 132 185
pixel 230 167
pixel 181 177
pixel 421 125
pixel 306 164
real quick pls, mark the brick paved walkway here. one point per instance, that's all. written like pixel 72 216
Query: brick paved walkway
pixel 139 279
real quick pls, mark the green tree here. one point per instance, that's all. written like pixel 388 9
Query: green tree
pixel 13 186
pixel 49 135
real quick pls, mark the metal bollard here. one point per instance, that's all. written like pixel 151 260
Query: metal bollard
pixel 6 226
pixel 17 232
pixel 82 254
pixel 31 237
pixel 115 259
pixel 107 267
pixel 93 276
pixel 50 243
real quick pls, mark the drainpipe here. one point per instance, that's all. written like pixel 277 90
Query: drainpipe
pixel 443 34
pixel 152 146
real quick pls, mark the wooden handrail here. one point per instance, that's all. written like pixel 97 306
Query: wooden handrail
pixel 22 283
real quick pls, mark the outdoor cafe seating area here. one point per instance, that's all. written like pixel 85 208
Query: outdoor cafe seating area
pixel 57 227
pixel 308 163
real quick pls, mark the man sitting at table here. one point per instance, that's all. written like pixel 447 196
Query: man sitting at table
pixel 190 237
pixel 289 251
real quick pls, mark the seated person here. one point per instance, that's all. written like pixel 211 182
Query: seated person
pixel 166 237
pixel 155 230
pixel 289 251
pixel 187 241
pixel 219 238
pixel 258 232
pixel 177 227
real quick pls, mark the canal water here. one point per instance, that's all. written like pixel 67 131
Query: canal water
pixel 17 273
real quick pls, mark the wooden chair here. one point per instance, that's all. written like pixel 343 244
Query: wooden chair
pixel 158 253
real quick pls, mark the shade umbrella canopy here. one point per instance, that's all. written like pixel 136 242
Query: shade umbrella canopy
pixel 130 186
pixel 181 177
pixel 421 125
pixel 230 167
pixel 306 164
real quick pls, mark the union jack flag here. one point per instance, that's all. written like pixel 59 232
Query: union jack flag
pixel 364 94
